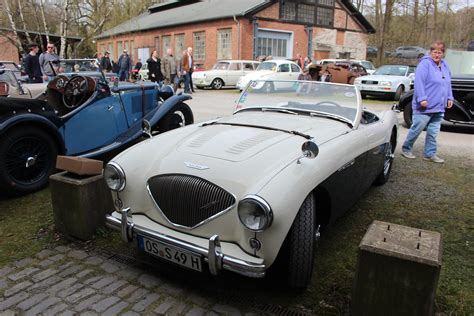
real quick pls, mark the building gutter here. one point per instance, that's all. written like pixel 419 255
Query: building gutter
pixel 238 36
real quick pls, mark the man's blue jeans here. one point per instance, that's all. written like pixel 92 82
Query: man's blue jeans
pixel 432 122
pixel 123 74
pixel 187 83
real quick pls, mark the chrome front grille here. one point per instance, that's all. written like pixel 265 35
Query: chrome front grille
pixel 369 82
pixel 188 200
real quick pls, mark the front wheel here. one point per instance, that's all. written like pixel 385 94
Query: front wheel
pixel 180 115
pixel 389 151
pixel 217 84
pixel 399 93
pixel 301 245
pixel 27 158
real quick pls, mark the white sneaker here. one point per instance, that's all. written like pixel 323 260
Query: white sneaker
pixel 434 158
pixel 408 154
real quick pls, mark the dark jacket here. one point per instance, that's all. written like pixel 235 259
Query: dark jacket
pixel 125 62
pixel 33 68
pixel 105 64
pixel 154 68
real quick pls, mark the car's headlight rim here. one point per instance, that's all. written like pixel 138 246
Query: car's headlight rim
pixel 385 83
pixel 264 206
pixel 118 171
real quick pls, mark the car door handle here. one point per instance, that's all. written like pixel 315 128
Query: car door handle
pixel 109 108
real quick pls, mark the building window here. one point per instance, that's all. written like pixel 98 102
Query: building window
pixel 325 16
pixel 313 12
pixel 274 47
pixel 111 51
pixel 224 43
pixel 157 45
pixel 178 44
pixel 166 43
pixel 132 49
pixel 199 49
pixel 119 48
pixel 126 47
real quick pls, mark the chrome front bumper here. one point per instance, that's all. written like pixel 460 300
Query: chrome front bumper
pixel 213 255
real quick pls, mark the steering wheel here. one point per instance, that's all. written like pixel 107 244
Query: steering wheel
pixel 328 103
pixel 75 92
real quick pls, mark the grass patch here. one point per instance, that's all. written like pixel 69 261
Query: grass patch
pixel 419 194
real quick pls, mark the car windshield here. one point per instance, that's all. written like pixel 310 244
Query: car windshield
pixel 9 65
pixel 267 66
pixel 77 65
pixel 337 101
pixel 221 66
pixel 367 65
pixel 392 70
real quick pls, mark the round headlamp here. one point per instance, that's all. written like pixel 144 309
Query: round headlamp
pixel 114 177
pixel 255 213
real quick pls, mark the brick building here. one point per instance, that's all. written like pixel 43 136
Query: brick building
pixel 243 29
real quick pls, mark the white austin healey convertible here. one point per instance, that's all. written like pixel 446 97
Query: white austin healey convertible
pixel 241 193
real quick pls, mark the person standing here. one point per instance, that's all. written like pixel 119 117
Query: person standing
pixel 105 62
pixel 300 60
pixel 431 96
pixel 186 68
pixel 46 59
pixel 124 65
pixel 168 68
pixel 154 67
pixel 32 64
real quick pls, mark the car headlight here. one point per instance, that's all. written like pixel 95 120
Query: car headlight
pixel 114 177
pixel 255 213
pixel 385 83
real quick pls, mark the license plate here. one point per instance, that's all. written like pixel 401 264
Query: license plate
pixel 367 87
pixel 170 253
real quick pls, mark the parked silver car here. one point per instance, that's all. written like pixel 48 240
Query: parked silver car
pixel 409 52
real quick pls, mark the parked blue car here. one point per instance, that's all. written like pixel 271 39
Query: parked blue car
pixel 82 114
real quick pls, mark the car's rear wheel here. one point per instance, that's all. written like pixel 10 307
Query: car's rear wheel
pixel 399 92
pixel 179 116
pixel 217 84
pixel 301 243
pixel 407 114
pixel 389 151
pixel 27 158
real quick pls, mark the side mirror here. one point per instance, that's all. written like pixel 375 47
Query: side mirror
pixel 4 89
pixel 146 127
pixel 310 149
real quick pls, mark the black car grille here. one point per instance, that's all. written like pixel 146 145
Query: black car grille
pixel 369 82
pixel 188 200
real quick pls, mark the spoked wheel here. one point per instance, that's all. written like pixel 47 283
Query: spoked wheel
pixel 389 151
pixel 27 158
pixel 179 116
pixel 217 84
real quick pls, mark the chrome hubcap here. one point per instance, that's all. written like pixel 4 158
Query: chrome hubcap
pixel 30 161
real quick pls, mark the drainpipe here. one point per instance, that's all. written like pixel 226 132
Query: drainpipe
pixel 238 36
pixel 255 35
pixel 309 30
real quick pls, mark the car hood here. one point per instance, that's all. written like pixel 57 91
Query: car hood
pixel 227 154
pixel 256 75
pixel 383 78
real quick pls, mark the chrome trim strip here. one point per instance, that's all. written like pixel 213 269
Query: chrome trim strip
pixel 198 224
pixel 249 269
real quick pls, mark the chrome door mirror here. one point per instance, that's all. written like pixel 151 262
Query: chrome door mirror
pixel 146 127
pixel 310 149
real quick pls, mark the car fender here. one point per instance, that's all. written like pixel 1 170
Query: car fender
pixel 33 119
pixel 457 113
pixel 405 99
pixel 167 106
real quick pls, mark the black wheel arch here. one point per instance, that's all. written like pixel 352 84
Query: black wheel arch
pixel 405 99
pixel 42 124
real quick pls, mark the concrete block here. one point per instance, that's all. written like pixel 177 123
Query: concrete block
pixel 397 271
pixel 79 203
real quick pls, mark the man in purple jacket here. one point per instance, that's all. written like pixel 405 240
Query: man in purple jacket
pixel 432 95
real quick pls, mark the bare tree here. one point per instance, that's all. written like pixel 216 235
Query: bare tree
pixel 13 26
pixel 64 28
pixel 22 19
pixel 45 25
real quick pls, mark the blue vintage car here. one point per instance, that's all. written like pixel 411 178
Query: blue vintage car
pixel 82 113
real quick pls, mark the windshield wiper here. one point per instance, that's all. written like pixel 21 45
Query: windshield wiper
pixel 332 116
pixel 279 110
pixel 259 126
